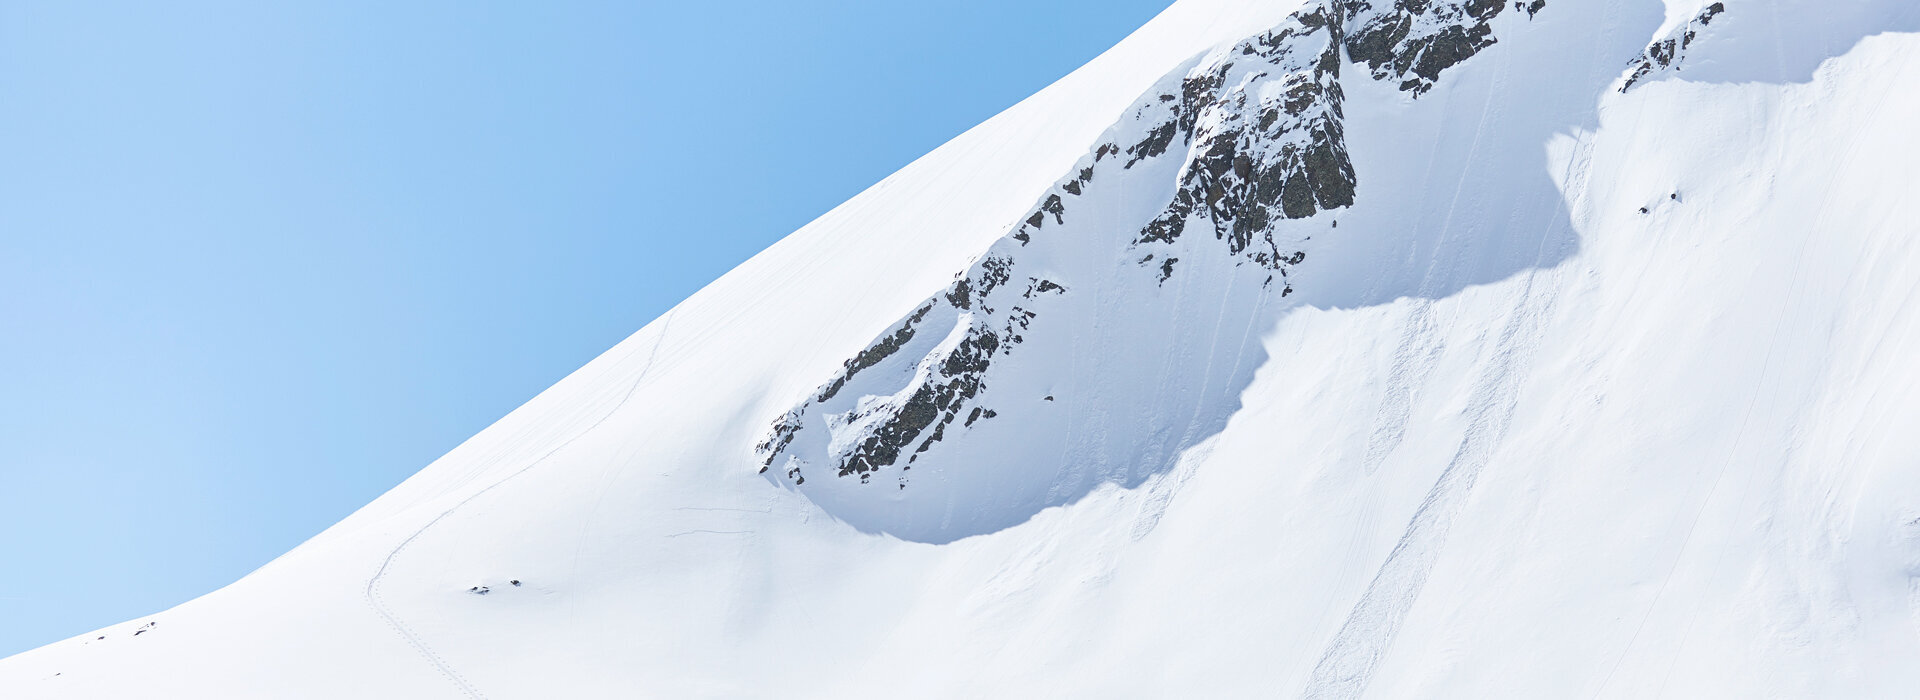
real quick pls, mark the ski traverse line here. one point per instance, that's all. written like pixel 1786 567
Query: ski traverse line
pixel 373 584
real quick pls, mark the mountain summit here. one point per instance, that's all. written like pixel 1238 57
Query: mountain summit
pixel 1328 349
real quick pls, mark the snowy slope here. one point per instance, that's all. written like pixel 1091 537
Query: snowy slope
pixel 1562 349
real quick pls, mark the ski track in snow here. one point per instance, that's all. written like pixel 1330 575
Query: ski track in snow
pixel 1347 666
pixel 1350 660
pixel 379 605
pixel 1618 533
pixel 1413 360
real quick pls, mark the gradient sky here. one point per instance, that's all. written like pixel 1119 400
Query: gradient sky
pixel 259 262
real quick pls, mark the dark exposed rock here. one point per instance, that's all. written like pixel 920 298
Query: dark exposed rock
pixel 994 271
pixel 1054 207
pixel 1259 155
pixel 1412 41
pixel 1154 144
pixel 960 295
pixel 880 350
pixel 1260 130
pixel 991 272
pixel 939 399
pixel 977 414
pixel 1668 52
pixel 782 435
pixel 947 385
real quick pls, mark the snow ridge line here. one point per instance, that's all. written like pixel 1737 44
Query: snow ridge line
pixel 373 583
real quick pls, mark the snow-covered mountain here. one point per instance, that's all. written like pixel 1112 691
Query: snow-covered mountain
pixel 1396 348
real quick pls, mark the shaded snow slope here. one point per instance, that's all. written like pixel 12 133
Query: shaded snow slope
pixel 1590 392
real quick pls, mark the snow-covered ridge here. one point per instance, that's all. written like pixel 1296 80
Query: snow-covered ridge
pixel 1244 137
pixel 1588 394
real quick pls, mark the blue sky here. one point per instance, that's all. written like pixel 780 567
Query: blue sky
pixel 259 262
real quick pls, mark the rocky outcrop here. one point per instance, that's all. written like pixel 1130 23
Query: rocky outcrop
pixel 990 317
pixel 1412 41
pixel 1258 128
pixel 1263 122
pixel 1669 52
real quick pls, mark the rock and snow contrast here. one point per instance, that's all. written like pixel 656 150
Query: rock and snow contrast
pixel 1329 349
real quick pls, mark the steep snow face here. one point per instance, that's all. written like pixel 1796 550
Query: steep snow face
pixel 1590 392
pixel 943 422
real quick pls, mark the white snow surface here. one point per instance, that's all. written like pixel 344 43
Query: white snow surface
pixel 1590 393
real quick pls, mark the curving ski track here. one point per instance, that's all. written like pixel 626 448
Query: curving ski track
pixel 373 583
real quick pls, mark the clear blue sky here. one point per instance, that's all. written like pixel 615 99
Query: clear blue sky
pixel 260 261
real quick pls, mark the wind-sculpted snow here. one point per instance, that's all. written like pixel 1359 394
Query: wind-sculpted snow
pixel 1238 141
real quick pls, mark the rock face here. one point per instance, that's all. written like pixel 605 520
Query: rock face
pixel 1263 125
pixel 983 324
pixel 1241 139
pixel 1412 41
pixel 1669 52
